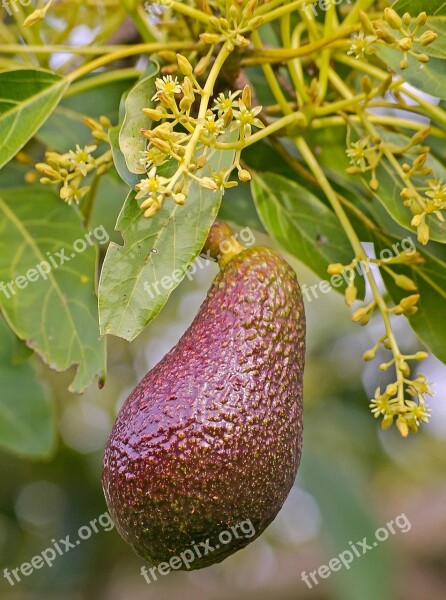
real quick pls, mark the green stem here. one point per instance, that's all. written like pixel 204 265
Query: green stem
pixel 101 79
pixel 124 53
pixel 431 110
pixel 184 9
pixel 287 120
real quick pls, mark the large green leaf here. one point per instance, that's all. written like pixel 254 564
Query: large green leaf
pixel 301 223
pixel 155 250
pixel 27 418
pixel 55 312
pixel 131 142
pixel 27 99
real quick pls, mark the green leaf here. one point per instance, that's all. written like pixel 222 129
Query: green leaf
pixel 27 99
pixel 428 77
pixel 66 128
pixel 301 223
pixel 130 179
pixel 155 250
pixel 55 312
pixel 27 417
pixel 415 7
pixel 429 322
pixel 131 142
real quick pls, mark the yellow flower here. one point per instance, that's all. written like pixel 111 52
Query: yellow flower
pixel 223 103
pixel 168 85
pixel 247 118
pixel 152 185
pixel 81 159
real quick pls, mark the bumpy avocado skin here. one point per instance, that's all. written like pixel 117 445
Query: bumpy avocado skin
pixel 212 435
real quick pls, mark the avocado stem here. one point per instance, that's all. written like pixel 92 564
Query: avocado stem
pixel 222 244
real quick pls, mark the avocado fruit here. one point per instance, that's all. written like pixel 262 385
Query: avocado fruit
pixel 212 435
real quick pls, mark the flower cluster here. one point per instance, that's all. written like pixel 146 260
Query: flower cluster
pixel 187 140
pixel 233 27
pixel 422 192
pixel 404 34
pixel 394 403
pixel 71 168
pixel 400 33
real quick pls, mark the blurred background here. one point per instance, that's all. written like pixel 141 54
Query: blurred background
pixel 353 479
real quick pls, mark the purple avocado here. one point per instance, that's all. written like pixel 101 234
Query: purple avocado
pixel 212 436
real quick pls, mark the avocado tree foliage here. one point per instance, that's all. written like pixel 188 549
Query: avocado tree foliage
pixel 322 123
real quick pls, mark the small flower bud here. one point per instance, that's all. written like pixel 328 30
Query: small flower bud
pixel 369 355
pixel 184 64
pixel 224 24
pixel 391 390
pixel 244 175
pixel 179 198
pixel 161 145
pixel 404 368
pixel 360 314
pixel 210 38
pixel 421 19
pixel 404 64
pixel 366 22
pixel 153 113
pixel 405 283
pixel 208 183
pixel 367 85
pixel 403 428
pixel 393 18
pixel 246 96
pixel 351 294
pixel 421 355
pixel 406 18
pixel 215 22
pixel 423 58
pixel 409 301
pixel 423 233
pixel 374 184
pixel 256 22
pixel 35 17
pixel 386 422
pixel 428 37
pixel 335 269
pixel 384 35
pixel 405 44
